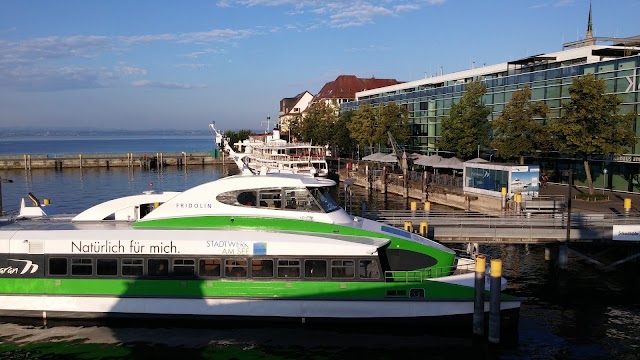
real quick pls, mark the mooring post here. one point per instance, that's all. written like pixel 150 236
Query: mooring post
pixel 494 301
pixel 424 228
pixel 478 298
pixel 503 202
pixel 408 226
pixel 384 180
pixel 627 206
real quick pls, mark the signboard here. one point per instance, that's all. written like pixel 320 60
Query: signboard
pixel 524 180
pixel 626 233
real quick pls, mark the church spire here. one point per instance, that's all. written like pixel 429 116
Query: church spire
pixel 589 24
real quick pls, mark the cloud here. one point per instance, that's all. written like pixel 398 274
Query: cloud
pixel 128 70
pixel 339 14
pixel 166 85
pixel 27 78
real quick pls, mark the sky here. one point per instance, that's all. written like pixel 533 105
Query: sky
pixel 160 64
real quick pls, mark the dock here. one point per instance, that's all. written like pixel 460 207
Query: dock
pixel 142 160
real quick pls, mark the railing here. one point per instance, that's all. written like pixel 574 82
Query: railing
pixel 424 274
pixel 501 219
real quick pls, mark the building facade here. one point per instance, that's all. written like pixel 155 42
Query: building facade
pixel 549 76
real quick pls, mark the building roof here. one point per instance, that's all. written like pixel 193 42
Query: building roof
pixel 346 87
pixel 286 104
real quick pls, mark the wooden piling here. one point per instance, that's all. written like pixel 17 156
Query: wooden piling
pixel 494 301
pixel 478 297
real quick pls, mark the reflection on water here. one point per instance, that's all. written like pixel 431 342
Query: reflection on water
pixel 582 313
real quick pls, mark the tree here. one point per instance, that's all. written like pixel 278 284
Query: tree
pixel 369 125
pixel 517 132
pixel 467 126
pixel 235 137
pixel 341 136
pixel 363 127
pixel 318 122
pixel 591 125
pixel 394 118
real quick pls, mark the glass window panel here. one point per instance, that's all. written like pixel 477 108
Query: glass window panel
pixel 158 267
pixel 342 269
pixel 184 267
pixel 235 268
pixel 262 268
pixel 82 266
pixel 57 266
pixel 288 268
pixel 132 267
pixel 315 268
pixel 209 267
pixel 368 269
pixel 107 266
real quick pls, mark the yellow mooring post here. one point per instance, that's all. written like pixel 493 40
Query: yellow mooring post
pixel 478 297
pixel 408 226
pixel 424 228
pixel 504 199
pixel 427 206
pixel 414 205
pixel 517 197
pixel 494 301
pixel 627 206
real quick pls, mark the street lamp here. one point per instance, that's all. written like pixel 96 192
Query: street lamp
pixel 3 181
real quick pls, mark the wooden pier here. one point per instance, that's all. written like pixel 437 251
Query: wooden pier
pixel 142 160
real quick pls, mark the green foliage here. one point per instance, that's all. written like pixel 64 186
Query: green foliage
pixel 318 123
pixel 516 131
pixel 294 126
pixel 590 123
pixel 467 126
pixel 341 136
pixel 235 137
pixel 369 125
pixel 363 126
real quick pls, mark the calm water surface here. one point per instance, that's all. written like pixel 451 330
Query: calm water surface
pixel 582 313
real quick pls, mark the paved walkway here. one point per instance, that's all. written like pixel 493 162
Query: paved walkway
pixel 614 205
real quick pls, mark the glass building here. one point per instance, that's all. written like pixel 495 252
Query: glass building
pixel 549 76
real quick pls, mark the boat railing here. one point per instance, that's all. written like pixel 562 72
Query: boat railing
pixel 425 274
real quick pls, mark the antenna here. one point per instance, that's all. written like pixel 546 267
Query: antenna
pixel 268 121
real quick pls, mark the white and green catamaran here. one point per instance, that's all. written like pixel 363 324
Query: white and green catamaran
pixel 258 246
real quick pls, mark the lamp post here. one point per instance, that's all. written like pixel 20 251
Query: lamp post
pixel 1 181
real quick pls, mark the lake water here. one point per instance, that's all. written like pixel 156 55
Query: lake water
pixel 581 313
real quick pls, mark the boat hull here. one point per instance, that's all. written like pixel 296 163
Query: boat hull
pixel 265 309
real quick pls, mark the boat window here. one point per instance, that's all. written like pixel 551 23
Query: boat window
pixel 235 268
pixel 107 266
pixel 132 267
pixel 416 293
pixel 288 268
pixel 247 198
pixel 324 199
pixel 261 268
pixel 271 198
pixel 82 266
pixel 210 267
pixel 342 269
pixel 368 269
pixel 184 267
pixel 158 267
pixel 57 266
pixel 300 200
pixel 315 268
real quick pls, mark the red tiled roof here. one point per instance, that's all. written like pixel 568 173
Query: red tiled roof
pixel 346 87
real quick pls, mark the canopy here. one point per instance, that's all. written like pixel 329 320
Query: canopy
pixel 381 157
pixel 477 160
pixel 428 160
pixel 450 163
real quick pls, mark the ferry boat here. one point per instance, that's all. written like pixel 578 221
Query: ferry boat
pixel 270 246
pixel 278 155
